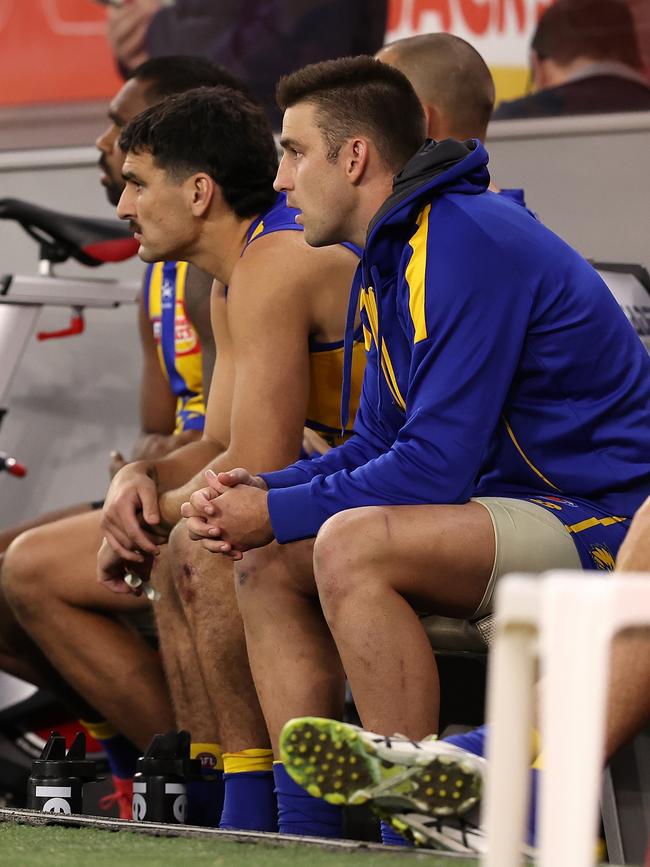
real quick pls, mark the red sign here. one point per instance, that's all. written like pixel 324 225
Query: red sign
pixel 54 51
pixel 475 16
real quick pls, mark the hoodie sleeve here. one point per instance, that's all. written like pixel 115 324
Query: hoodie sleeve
pixel 464 309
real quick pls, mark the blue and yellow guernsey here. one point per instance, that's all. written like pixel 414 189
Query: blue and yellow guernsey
pixel 499 364
pixel 325 359
pixel 177 343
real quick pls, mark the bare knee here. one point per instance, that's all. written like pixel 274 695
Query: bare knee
pixel 265 576
pixel 23 570
pixel 171 556
pixel 345 547
pixel 180 545
pixel 197 574
pixel 252 574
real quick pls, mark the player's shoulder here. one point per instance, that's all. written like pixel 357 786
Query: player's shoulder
pixel 286 256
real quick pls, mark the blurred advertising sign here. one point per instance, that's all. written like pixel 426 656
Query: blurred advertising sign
pixel 499 29
pixel 54 51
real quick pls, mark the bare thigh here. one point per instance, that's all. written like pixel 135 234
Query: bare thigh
pixel 439 558
pixel 10 533
pixel 61 558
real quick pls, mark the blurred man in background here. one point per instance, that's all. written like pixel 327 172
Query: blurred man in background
pixel 258 40
pixel 585 59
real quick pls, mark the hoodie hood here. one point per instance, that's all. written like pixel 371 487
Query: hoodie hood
pixel 448 166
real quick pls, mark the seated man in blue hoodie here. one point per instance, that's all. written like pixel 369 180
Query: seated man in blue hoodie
pixel 504 423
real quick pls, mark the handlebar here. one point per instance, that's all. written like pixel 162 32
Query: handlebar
pixel 89 240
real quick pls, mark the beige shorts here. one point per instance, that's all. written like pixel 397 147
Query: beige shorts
pixel 528 538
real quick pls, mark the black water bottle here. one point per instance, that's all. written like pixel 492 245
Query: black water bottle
pixel 160 781
pixel 57 779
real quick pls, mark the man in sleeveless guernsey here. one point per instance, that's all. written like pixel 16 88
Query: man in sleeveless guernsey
pixel 199 172
pixel 491 436
pixel 57 561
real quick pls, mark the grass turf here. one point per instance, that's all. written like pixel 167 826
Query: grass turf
pixel 25 846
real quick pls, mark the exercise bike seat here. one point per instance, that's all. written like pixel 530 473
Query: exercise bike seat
pixel 89 240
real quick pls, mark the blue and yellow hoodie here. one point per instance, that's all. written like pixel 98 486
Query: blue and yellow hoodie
pixel 506 366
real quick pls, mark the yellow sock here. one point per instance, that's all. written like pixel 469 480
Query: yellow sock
pixel 101 731
pixel 211 755
pixel 247 761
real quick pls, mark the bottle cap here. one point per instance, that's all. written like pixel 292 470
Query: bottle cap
pixel 54 761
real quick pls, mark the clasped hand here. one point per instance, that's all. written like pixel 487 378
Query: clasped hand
pixel 230 515
pixel 131 518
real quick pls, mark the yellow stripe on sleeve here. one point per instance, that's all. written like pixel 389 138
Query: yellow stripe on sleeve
pixel 415 275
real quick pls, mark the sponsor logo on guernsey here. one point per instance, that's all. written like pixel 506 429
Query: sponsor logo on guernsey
pixel 561 500
pixel 555 503
pixel 167 294
pixel 186 341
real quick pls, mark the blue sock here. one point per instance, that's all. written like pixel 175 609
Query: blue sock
pixel 472 741
pixel 205 800
pixel 300 813
pixel 249 803
pixel 205 794
pixel 121 754
pixel 390 837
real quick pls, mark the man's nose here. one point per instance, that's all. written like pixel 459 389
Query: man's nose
pixel 283 178
pixel 124 205
pixel 106 141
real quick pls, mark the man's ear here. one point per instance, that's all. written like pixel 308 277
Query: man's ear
pixel 201 190
pixel 356 153
pixel 436 128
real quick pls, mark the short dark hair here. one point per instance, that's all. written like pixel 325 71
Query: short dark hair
pixel 177 73
pixel 215 130
pixel 360 95
pixel 597 29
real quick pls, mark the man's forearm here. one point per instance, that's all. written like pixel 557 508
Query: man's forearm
pixel 154 446
pixel 171 500
pixel 172 472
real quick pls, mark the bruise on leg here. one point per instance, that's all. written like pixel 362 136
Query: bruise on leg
pixel 187 578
